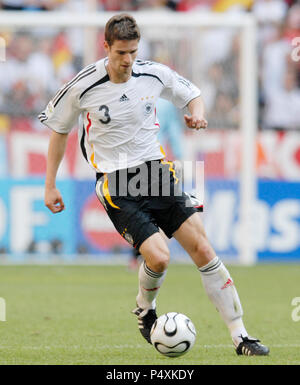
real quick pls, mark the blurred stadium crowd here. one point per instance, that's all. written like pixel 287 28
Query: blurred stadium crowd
pixel 39 60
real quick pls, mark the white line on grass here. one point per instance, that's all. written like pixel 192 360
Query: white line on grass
pixel 138 346
pixel 74 347
pixel 230 346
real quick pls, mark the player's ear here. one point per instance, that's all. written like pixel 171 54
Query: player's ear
pixel 106 46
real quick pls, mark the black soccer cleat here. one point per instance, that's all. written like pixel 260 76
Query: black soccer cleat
pixel 146 319
pixel 251 347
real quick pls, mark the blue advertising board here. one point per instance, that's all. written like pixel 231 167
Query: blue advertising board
pixel 281 205
pixel 275 219
pixel 27 226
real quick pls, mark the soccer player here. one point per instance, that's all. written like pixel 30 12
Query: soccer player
pixel 114 100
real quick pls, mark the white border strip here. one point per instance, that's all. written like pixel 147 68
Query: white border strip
pixel 98 19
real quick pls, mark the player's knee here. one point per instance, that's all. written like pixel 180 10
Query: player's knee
pixel 156 253
pixel 202 247
pixel 161 264
pixel 159 261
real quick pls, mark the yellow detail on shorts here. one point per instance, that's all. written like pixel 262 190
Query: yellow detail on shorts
pixel 171 169
pixel 92 159
pixel 106 193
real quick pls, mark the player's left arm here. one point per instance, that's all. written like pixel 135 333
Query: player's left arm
pixel 196 119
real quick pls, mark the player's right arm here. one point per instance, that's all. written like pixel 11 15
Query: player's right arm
pixel 60 115
pixel 56 150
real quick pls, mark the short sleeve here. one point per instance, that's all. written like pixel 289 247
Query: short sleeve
pixel 178 90
pixel 62 112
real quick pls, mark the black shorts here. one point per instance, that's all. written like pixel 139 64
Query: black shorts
pixel 142 199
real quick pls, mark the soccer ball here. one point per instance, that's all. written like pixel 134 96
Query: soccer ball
pixel 173 334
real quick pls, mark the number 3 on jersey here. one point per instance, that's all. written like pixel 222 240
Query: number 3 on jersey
pixel 105 111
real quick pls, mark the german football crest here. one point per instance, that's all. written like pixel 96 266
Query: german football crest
pixel 148 108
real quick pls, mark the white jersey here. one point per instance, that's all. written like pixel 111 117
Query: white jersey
pixel 118 125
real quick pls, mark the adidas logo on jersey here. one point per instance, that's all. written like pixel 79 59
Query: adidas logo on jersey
pixel 124 98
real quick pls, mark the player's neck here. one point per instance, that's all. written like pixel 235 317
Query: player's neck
pixel 117 77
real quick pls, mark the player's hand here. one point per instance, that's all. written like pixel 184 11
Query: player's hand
pixel 195 122
pixel 53 200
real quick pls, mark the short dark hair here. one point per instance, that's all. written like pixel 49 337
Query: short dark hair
pixel 121 27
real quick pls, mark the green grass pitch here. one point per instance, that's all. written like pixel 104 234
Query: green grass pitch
pixel 81 315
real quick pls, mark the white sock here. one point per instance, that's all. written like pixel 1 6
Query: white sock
pixel 149 284
pixel 221 291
